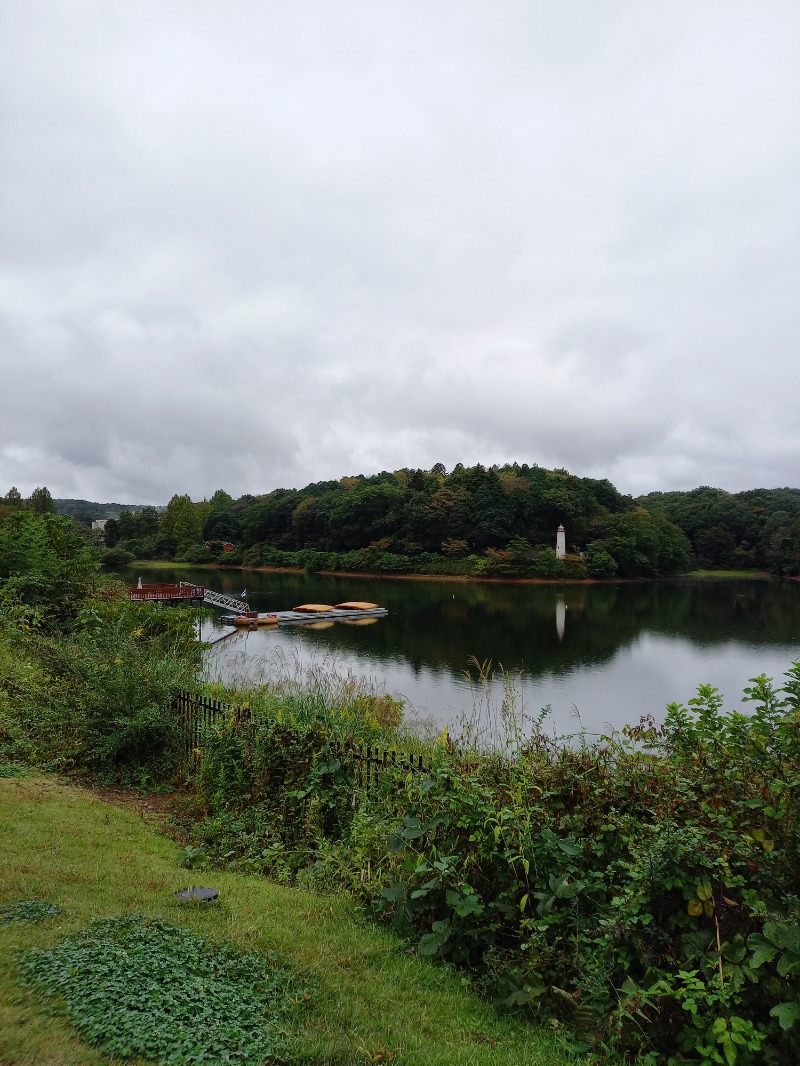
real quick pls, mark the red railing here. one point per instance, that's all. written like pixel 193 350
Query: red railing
pixel 166 592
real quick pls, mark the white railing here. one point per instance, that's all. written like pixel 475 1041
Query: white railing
pixel 219 599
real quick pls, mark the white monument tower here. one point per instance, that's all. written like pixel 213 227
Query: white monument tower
pixel 561 543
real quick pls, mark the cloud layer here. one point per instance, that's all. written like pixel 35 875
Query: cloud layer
pixel 260 244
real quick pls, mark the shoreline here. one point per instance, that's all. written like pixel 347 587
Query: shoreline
pixel 699 575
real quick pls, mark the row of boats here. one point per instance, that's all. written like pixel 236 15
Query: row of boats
pixel 353 611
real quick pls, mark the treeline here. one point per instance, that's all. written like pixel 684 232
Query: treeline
pixel 759 528
pixel 496 522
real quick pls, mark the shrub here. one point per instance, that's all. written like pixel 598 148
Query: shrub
pixel 645 888
pixel 97 695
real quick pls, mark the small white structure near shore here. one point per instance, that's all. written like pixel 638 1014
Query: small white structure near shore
pixel 561 543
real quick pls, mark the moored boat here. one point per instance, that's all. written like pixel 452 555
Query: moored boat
pixel 308 613
pixel 252 618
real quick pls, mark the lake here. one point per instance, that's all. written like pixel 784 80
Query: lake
pixel 600 656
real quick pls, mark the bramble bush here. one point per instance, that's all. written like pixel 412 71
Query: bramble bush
pixel 645 888
pixel 648 888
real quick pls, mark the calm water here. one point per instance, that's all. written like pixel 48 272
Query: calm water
pixel 599 655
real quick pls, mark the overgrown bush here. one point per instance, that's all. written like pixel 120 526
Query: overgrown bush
pixel 646 888
pixel 94 693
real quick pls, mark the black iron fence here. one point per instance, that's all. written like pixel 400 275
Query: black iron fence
pixel 199 715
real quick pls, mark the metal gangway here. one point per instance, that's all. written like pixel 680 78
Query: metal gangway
pixel 235 604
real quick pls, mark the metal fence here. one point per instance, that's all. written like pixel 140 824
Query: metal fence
pixel 198 715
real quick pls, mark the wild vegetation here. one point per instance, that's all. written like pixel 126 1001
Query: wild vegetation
pixel 642 891
pixel 85 675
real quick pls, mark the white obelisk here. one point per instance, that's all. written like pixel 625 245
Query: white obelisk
pixel 561 543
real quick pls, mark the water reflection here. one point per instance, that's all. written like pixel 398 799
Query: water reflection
pixel 561 616
pixel 613 654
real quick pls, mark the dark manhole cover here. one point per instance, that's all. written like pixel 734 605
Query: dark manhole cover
pixel 198 894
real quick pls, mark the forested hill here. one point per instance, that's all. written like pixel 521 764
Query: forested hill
pixel 495 522
pixel 756 528
pixel 500 521
pixel 85 511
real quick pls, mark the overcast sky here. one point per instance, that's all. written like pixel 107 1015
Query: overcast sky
pixel 259 243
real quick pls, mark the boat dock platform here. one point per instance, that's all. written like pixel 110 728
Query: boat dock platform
pixel 308 614
pixel 186 592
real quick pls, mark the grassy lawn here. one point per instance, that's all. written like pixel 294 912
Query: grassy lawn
pixel 371 1001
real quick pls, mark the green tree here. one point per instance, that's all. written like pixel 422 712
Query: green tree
pixel 223 525
pixel 146 522
pixel 41 501
pixel 45 562
pixel 13 497
pixel 269 520
pixel 220 501
pixel 127 525
pixel 111 532
pixel 181 523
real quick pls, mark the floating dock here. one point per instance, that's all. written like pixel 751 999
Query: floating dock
pixel 308 614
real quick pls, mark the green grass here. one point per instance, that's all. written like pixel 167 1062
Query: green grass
pixel 370 1001
pixel 742 575
pixel 165 564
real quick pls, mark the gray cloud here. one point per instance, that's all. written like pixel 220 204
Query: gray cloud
pixel 273 243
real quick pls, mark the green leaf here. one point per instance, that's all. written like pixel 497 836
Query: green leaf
pixel 518 998
pixel 763 950
pixel 470 906
pixel 423 890
pixel 430 944
pixel 783 935
pixel 395 844
pixel 395 893
pixel 729 1050
pixel 412 828
pixel 786 1013
pixel 569 847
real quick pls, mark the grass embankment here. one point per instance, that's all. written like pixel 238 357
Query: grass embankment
pixel 739 575
pixel 370 1001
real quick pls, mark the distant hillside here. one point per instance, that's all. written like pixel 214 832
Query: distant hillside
pixel 757 528
pixel 85 511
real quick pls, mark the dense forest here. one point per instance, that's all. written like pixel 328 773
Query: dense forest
pixel 759 528
pixel 483 522
pixel 497 522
